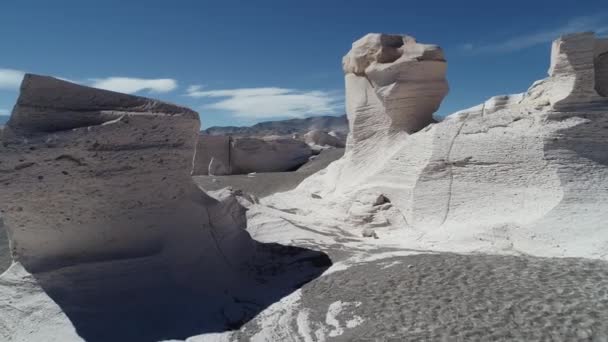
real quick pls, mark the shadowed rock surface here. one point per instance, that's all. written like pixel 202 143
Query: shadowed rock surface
pixel 264 184
pixel 112 240
pixel 224 155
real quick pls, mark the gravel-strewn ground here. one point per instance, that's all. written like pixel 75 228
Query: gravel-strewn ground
pixel 450 297
pixel 264 184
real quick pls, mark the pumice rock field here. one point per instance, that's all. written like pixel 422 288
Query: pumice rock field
pixel 488 225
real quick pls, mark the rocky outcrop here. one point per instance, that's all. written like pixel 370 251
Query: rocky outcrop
pixel 321 138
pixel 577 73
pixel 91 176
pixel 75 157
pixel 224 155
pixel 519 172
pixel 392 83
pixel 107 227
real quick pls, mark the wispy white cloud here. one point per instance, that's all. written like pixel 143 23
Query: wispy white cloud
pixel 131 85
pixel 4 111
pixel 597 23
pixel 269 102
pixel 10 78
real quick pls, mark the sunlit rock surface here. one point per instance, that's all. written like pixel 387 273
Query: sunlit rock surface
pixel 518 173
pixel 519 184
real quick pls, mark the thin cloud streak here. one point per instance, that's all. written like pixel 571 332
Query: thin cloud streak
pixel 10 79
pixel 270 102
pixel 130 85
pixel 595 23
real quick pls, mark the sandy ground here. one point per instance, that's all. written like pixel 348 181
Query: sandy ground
pixel 450 297
pixel 264 184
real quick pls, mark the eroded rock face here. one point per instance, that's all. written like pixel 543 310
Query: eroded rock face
pixel 224 155
pixel 577 73
pixel 92 176
pixel 524 172
pixel 392 83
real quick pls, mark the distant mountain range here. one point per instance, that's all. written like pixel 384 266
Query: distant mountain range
pixel 284 127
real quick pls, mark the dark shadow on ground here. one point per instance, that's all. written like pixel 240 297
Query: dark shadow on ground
pixel 5 255
pixel 162 310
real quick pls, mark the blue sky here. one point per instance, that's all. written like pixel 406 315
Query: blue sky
pixel 241 62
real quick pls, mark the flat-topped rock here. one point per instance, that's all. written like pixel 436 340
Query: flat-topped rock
pixel 90 175
pixel 577 73
pixel 47 104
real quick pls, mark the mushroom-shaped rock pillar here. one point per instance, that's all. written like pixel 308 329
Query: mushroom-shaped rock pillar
pixel 392 83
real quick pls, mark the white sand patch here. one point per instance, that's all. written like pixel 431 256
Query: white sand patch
pixel 275 321
pixel 303 322
pixel 212 337
pixel 340 308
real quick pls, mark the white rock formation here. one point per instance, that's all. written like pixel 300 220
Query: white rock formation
pixel 246 155
pixel 318 137
pixel 395 74
pixel 525 172
pixel 91 176
pixel 98 200
pixel 518 174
